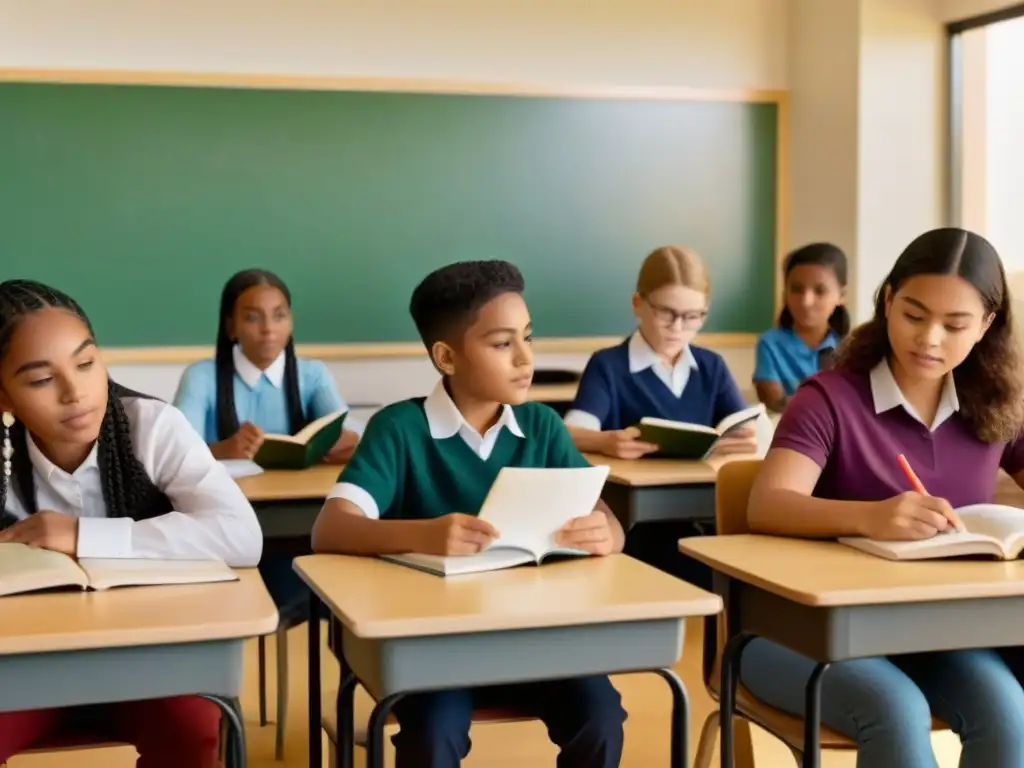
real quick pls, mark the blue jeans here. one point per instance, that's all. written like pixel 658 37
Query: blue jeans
pixel 584 717
pixel 886 704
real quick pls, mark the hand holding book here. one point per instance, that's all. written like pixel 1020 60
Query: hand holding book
pixel 626 444
pixel 907 517
pixel 455 534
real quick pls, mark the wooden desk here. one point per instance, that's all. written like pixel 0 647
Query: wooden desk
pixel 652 490
pixel 65 649
pixel 553 393
pixel 288 501
pixel 405 630
pixel 832 603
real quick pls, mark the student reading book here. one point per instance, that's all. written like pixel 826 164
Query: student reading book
pixel 811 325
pixel 419 479
pixel 936 376
pixel 256 385
pixel 305 448
pixel 94 471
pixel 994 530
pixel 28 569
pixel 679 440
pixel 527 507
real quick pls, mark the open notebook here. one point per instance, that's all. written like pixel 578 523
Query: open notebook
pixel 527 507
pixel 681 440
pixel 27 569
pixel 992 530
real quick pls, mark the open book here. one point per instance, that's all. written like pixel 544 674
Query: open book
pixel 680 440
pixel 239 468
pixel 992 530
pixel 28 569
pixel 303 449
pixel 527 506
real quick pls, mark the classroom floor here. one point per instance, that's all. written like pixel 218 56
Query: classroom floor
pixel 645 697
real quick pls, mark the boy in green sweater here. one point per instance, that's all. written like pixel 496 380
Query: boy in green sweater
pixel 419 478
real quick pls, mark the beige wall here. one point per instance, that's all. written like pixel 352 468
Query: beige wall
pixel 719 44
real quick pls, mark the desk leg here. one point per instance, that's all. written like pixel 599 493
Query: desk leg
pixel 812 718
pixel 231 712
pixel 727 705
pixel 345 710
pixel 375 730
pixel 315 726
pixel 680 718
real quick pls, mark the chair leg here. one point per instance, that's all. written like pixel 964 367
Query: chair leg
pixel 262 646
pixel 282 691
pixel 706 743
pixel 744 743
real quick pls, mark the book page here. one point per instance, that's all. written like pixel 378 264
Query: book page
pixel 939 546
pixel 239 468
pixel 490 559
pixel 304 434
pixel 738 418
pixel 105 574
pixel 528 506
pixel 682 426
pixel 1002 523
pixel 25 569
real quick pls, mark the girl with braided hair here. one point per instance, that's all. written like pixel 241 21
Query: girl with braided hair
pixel 95 470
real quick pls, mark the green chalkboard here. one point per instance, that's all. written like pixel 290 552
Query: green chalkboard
pixel 141 201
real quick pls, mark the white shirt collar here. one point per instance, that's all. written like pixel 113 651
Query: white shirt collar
pixel 48 470
pixel 250 374
pixel 886 394
pixel 445 420
pixel 642 356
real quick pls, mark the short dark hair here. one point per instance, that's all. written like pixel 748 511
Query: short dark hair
pixel 446 301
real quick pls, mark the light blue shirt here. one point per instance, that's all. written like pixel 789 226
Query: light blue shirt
pixel 783 356
pixel 259 395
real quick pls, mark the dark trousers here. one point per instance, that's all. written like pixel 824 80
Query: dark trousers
pixel 584 717
pixel 657 544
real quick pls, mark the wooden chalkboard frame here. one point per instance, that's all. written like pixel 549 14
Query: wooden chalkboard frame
pixel 163 355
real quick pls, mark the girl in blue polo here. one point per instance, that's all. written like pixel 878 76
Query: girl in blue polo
pixel 811 325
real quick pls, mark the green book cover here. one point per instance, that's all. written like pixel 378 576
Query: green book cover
pixel 680 440
pixel 303 449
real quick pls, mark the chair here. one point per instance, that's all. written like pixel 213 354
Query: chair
pixel 363 704
pixel 732 493
pixel 290 616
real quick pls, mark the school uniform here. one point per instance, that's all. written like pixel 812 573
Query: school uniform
pixel 853 425
pixel 260 399
pixel 625 383
pixel 419 459
pixel 622 385
pixel 783 357
pixel 209 518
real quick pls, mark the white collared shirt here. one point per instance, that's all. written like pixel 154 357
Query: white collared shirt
pixel 886 395
pixel 641 357
pixel 249 373
pixel 444 420
pixel 212 517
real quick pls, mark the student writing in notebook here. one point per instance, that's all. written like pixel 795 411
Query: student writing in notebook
pixel 99 471
pixel 658 371
pixel 256 384
pixel 934 375
pixel 811 325
pixel 420 475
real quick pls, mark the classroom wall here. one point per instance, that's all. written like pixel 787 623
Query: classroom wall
pixel 955 10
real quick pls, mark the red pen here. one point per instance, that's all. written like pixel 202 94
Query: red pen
pixel 915 481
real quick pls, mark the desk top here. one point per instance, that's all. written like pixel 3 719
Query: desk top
pixel 393 600
pixel 553 393
pixel 827 574
pixel 647 472
pixel 291 485
pixel 131 616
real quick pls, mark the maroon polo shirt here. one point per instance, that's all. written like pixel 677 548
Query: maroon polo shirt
pixel 854 426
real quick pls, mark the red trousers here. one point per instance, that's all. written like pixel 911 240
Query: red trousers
pixel 180 732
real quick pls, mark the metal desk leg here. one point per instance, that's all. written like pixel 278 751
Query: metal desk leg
pixel 345 709
pixel 315 726
pixel 727 705
pixel 375 730
pixel 231 712
pixel 680 718
pixel 812 718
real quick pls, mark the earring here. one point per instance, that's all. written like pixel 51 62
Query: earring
pixel 8 449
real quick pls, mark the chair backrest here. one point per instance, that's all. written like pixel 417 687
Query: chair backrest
pixel 732 492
